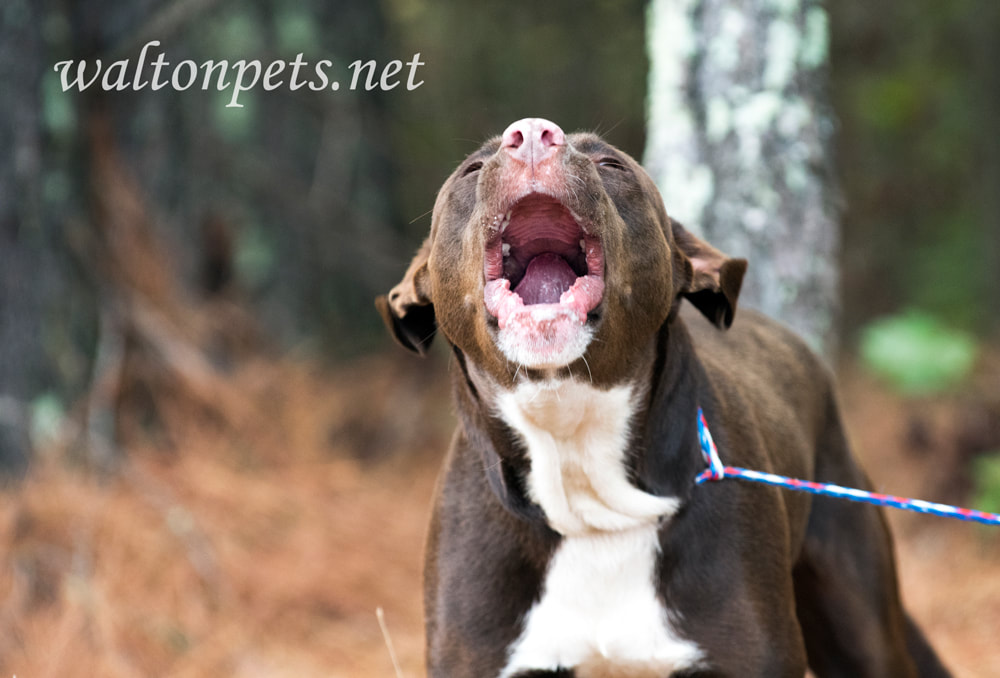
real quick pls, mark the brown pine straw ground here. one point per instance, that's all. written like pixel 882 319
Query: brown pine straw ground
pixel 262 545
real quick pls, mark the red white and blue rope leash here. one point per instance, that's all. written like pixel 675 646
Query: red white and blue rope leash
pixel 718 471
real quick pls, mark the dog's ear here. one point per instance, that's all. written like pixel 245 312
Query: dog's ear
pixel 712 280
pixel 407 310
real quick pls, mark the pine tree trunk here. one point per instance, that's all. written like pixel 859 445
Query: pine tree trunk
pixel 739 143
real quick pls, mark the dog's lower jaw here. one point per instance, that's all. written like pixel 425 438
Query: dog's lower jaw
pixel 544 336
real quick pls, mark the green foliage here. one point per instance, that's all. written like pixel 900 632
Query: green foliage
pixel 986 482
pixel 47 418
pixel 913 95
pixel 239 34
pixel 297 30
pixel 917 353
pixel 235 124
pixel 254 257
pixel 58 113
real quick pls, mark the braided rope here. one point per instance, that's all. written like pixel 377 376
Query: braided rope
pixel 718 471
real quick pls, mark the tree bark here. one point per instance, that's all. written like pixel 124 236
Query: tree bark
pixel 23 277
pixel 739 143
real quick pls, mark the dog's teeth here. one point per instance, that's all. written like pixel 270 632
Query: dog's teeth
pixel 506 222
pixel 583 245
pixel 506 249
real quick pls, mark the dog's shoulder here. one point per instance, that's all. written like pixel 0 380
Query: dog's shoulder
pixel 755 344
pixel 762 365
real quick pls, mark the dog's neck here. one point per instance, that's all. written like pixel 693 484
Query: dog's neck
pixel 667 455
pixel 577 439
pixel 575 456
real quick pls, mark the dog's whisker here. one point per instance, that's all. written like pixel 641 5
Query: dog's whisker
pixel 612 128
pixel 427 339
pixel 380 615
pixel 591 374
pixel 420 216
pixel 538 392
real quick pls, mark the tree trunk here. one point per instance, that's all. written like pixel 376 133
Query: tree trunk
pixel 23 278
pixel 739 143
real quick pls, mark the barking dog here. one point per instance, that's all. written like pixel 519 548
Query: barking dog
pixel 568 538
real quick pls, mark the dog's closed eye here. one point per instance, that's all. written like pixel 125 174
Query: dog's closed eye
pixel 471 168
pixel 613 163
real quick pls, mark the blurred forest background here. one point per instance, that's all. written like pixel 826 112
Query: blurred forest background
pixel 215 461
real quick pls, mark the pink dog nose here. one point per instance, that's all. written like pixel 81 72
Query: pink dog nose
pixel 533 140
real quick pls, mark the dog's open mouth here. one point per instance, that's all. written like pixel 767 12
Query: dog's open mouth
pixel 542 269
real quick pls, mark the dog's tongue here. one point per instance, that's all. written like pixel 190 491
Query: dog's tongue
pixel 546 278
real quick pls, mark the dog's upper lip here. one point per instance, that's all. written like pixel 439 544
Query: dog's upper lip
pixel 538 254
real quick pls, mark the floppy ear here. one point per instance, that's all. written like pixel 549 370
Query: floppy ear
pixel 713 279
pixel 407 310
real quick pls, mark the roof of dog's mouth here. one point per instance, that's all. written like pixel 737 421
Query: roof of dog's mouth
pixel 540 253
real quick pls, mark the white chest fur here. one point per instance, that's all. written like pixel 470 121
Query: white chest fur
pixel 598 610
pixel 576 437
pixel 599 613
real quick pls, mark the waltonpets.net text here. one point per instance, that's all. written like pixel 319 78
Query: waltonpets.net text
pixel 239 76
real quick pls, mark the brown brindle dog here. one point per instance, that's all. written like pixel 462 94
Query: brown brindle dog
pixel 568 537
